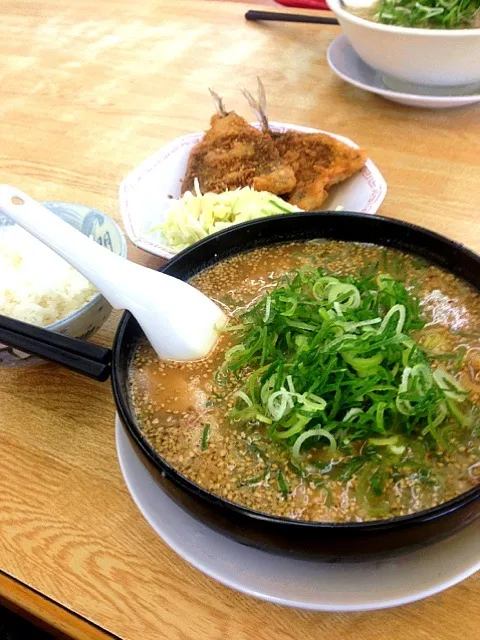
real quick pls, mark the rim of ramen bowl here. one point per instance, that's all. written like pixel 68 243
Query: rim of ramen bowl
pixel 388 28
pixel 127 416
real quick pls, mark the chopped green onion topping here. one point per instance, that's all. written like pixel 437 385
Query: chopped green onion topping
pixel 433 14
pixel 205 436
pixel 326 360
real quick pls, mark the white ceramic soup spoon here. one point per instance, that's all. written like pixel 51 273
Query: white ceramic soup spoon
pixel 179 321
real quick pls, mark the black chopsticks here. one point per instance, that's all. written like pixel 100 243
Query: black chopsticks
pixel 287 17
pixel 82 357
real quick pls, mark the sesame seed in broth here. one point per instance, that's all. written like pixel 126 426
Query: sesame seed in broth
pixel 182 407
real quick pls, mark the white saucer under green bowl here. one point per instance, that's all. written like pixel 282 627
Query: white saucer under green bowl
pixel 348 66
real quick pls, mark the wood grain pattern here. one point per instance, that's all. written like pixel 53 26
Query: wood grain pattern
pixel 46 614
pixel 87 91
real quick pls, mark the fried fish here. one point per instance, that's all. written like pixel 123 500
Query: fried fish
pixel 318 160
pixel 233 154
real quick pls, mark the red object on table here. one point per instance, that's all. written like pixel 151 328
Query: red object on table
pixel 304 4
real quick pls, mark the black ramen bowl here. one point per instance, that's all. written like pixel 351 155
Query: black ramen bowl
pixel 315 540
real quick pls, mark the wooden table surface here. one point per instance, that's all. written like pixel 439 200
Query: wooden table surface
pixel 89 89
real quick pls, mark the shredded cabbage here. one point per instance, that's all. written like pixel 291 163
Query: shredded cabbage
pixel 197 215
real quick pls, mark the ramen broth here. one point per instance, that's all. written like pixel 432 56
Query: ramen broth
pixel 189 412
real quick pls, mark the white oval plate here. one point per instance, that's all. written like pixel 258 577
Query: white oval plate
pixel 348 66
pixel 146 193
pixel 288 581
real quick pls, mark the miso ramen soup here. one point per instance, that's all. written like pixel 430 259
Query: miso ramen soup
pixel 345 388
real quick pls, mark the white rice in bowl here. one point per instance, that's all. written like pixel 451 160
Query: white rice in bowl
pixel 36 285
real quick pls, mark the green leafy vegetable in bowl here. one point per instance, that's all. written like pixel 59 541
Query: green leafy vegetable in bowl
pixel 330 360
pixel 436 14
pixel 197 215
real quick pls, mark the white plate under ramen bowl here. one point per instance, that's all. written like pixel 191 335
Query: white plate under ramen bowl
pixel 147 192
pixel 304 584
